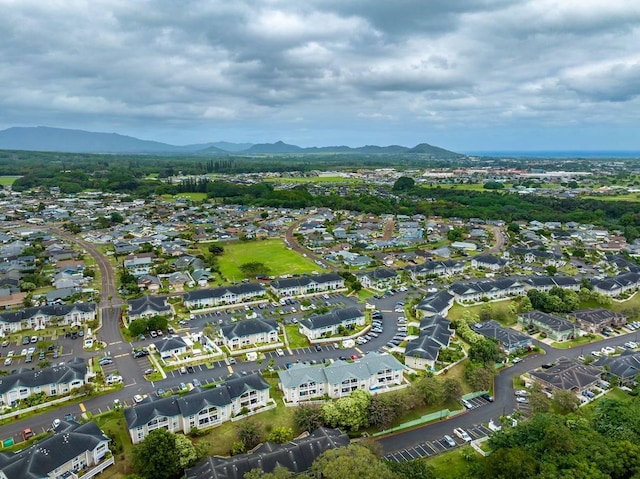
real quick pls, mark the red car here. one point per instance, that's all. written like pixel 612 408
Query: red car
pixel 354 356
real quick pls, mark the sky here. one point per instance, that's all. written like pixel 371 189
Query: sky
pixel 466 75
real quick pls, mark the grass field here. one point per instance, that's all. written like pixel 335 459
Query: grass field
pixel 8 180
pixel 624 197
pixel 314 179
pixel 272 253
pixel 193 196
pixel 452 465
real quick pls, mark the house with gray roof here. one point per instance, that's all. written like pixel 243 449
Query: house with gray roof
pixel 473 292
pixel 329 324
pixel 235 294
pixel 617 285
pixel 374 372
pixel 148 306
pixel 432 268
pixel 307 284
pixel 200 408
pixel 138 264
pixel 435 334
pixel 554 327
pixel 171 346
pixel 379 279
pixel 73 450
pixel 567 375
pixel 297 456
pixel 436 303
pixel 595 320
pixel 41 317
pixel 249 333
pixel 489 262
pixel 509 340
pixel 546 283
pixel 52 381
pixel 625 367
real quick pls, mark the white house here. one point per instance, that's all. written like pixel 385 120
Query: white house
pixel 329 324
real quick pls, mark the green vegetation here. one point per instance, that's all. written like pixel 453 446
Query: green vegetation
pixel 8 180
pixel 273 254
pixel 196 197
pixel 314 179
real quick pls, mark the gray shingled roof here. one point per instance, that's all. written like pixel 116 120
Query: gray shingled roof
pixel 248 327
pixel 148 302
pixel 57 310
pixel 75 369
pixel 43 457
pixel 238 289
pixel 330 319
pixel 297 456
pixel 286 283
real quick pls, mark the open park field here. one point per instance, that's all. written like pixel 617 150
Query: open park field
pixel 8 180
pixel 313 179
pixel 272 253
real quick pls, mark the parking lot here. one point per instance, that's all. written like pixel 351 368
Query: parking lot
pixel 432 448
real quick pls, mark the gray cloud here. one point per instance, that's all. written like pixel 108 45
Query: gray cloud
pixel 209 70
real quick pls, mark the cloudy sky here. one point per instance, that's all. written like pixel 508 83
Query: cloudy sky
pixel 468 75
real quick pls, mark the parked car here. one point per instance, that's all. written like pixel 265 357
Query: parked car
pixel 449 440
pixel 522 393
pixel 137 398
pixel 27 433
pixel 462 434
pixel 522 400
pixel 280 352
pixel 196 382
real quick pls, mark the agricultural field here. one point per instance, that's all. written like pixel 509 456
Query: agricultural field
pixel 313 179
pixel 8 180
pixel 272 253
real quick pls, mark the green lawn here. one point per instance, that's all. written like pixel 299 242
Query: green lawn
pixel 581 341
pixel 8 180
pixel 314 179
pixel 452 465
pixel 272 253
pixel 634 197
pixel 457 310
pixel 193 196
pixel 296 340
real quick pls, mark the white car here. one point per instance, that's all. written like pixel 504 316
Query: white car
pixel 55 423
pixel 522 393
pixel 608 350
pixel 462 434
pixel 280 352
pixel 522 400
pixel 137 398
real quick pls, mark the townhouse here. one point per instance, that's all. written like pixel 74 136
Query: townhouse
pixel 331 323
pixel 546 283
pixel 566 375
pixel 436 303
pixel 554 327
pixel 375 372
pixel 625 367
pixel 307 284
pixel 148 306
pixel 617 285
pixel 509 340
pixel 139 264
pixel 474 292
pixel 209 297
pixel 200 408
pixel 489 262
pixel 595 320
pixel 73 450
pixel 379 279
pixel 52 381
pixel 249 333
pixel 435 335
pixel 297 456
pixel 43 316
pixel 431 268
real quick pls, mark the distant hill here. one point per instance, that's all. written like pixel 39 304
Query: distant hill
pixel 42 138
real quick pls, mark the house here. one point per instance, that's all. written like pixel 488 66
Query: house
pixel 379 279
pixel 625 367
pixel 40 317
pixel 52 381
pixel 430 268
pixel 178 279
pixel 307 284
pixel 239 293
pixel 567 375
pixel 375 372
pixel 139 264
pixel 438 302
pixel 329 324
pixel 199 408
pixel 149 282
pixel 249 333
pixel 489 262
pixel 554 327
pixel 73 450
pixel 171 346
pixel 617 285
pixel 594 320
pixel 509 340
pixel 297 456
pixel 491 289
pixel 148 306
pixel 546 283
pixel 422 352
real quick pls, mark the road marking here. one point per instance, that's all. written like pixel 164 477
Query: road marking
pixel 121 355
pixel 359 350
pixel 230 369
pixel 82 408
pixel 115 342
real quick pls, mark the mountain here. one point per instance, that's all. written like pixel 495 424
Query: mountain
pixel 270 148
pixel 42 138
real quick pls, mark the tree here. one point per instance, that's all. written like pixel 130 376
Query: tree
pixel 404 183
pixel 280 435
pixel 280 472
pixel 485 351
pixel 350 461
pixel 413 469
pixel 187 453
pixel 350 412
pixel 308 417
pixel 254 269
pixel 216 249
pixel 157 457
pixel 564 402
pixel 138 326
pixel 478 377
pixel 551 270
pixel 249 433
pixel 513 463
pixel 430 388
pixel 451 390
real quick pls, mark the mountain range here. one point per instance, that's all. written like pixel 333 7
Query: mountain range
pixel 42 138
